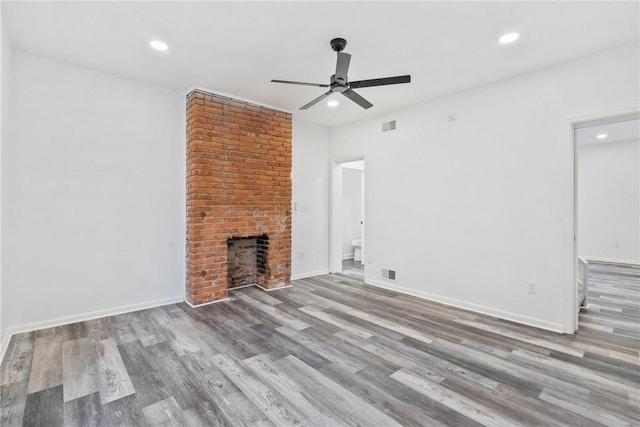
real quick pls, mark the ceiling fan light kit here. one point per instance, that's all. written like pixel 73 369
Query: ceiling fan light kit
pixel 339 82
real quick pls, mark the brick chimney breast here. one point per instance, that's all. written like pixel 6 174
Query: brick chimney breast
pixel 238 186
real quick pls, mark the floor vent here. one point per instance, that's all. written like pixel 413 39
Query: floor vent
pixel 389 126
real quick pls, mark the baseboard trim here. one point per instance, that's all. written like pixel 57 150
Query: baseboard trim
pixel 242 287
pixel 621 262
pixel 505 315
pixel 274 289
pixel 83 317
pixel 310 274
pixel 208 303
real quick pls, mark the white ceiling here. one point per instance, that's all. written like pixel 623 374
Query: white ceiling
pixel 628 130
pixel 238 47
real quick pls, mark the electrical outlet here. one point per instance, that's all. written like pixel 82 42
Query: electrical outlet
pixel 299 255
pixel 531 287
pixel 369 260
pixel 616 245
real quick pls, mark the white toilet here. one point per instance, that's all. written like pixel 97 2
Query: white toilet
pixel 357 252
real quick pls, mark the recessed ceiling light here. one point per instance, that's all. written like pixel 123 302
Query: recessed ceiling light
pixel 332 103
pixel 509 38
pixel 601 135
pixel 158 45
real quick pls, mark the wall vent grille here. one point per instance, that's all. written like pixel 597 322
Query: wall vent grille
pixel 389 126
pixel 388 274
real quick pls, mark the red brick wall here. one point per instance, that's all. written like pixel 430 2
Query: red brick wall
pixel 238 185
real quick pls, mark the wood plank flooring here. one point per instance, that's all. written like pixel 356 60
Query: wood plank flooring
pixel 331 351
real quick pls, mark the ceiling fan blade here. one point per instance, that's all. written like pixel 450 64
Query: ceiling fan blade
pixel 342 67
pixel 357 99
pixel 380 82
pixel 315 101
pixel 299 83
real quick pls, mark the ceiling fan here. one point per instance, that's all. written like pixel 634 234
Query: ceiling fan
pixel 341 84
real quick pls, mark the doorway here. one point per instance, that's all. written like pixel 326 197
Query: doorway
pixel 606 200
pixel 347 253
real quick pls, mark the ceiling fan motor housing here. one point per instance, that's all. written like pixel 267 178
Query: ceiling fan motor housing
pixel 338 86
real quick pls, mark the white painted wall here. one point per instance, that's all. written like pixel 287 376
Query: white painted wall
pixel 94 201
pixel 609 201
pixel 467 211
pixel 310 194
pixel 5 95
pixel 351 209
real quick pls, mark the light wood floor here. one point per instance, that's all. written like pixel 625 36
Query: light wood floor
pixel 331 351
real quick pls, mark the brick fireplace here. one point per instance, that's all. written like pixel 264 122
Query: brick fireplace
pixel 238 196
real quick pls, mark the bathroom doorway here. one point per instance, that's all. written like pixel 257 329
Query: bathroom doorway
pixel 347 218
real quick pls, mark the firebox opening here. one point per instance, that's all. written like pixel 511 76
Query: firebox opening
pixel 247 260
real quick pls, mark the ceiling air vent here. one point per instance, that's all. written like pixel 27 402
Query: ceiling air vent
pixel 389 126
